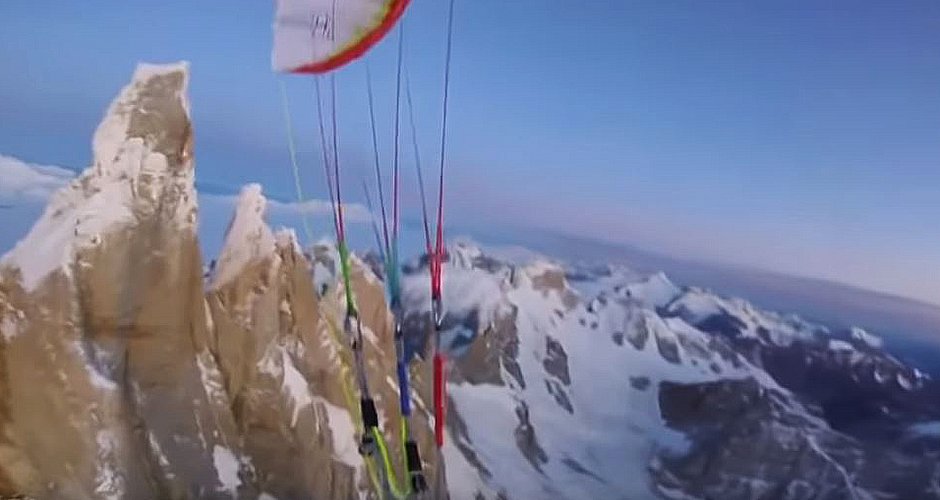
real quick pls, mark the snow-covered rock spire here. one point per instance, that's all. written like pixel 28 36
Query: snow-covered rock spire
pixel 248 239
pixel 142 168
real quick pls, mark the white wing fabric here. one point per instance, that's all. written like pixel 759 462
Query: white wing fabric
pixel 316 36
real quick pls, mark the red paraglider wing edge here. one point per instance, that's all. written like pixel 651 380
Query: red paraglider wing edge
pixel 395 11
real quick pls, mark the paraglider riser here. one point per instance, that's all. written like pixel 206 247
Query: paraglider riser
pixel 413 461
pixel 370 417
pixel 412 456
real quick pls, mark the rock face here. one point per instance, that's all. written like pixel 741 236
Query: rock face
pixel 751 442
pixel 287 371
pixel 859 387
pixel 124 375
pixel 766 448
pixel 104 299
pixel 863 401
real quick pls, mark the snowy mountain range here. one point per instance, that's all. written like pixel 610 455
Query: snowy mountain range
pixel 130 369
pixel 612 384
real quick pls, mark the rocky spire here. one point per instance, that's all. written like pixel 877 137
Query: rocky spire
pixel 142 171
pixel 105 297
pixel 248 239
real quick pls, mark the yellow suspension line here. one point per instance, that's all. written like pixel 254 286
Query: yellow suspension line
pixel 398 492
pixel 293 160
pixel 351 405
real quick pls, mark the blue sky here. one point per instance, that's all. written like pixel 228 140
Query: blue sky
pixel 801 137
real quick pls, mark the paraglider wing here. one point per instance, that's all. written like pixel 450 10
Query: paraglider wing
pixel 317 36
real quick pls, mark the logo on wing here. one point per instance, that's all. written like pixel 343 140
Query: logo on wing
pixel 321 26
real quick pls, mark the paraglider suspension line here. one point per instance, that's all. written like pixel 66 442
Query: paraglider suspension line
pixel 436 262
pixel 293 160
pixel 378 170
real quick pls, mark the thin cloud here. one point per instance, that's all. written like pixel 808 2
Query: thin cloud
pixel 352 212
pixel 24 182
pixel 27 182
